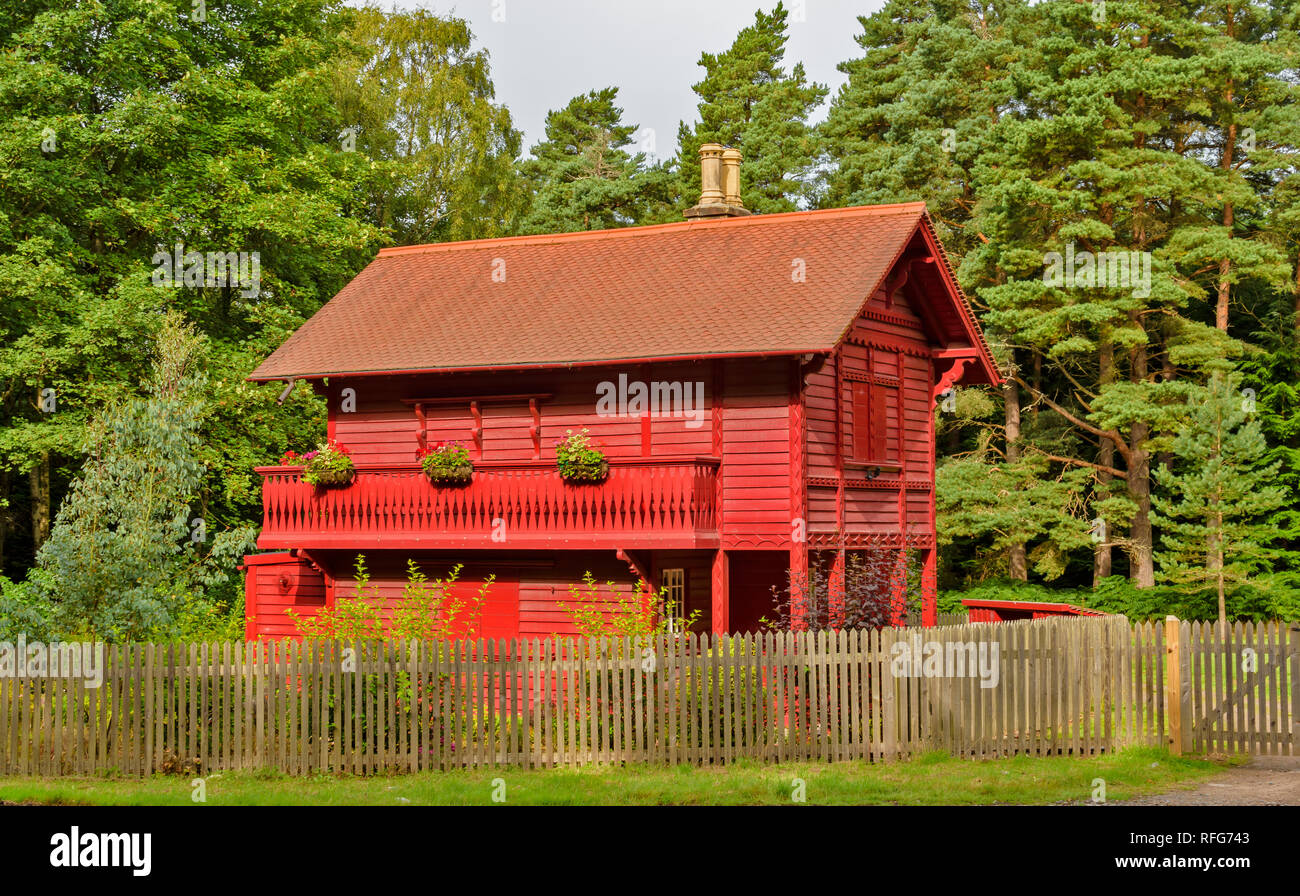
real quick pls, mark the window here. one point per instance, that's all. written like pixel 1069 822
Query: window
pixel 870 422
pixel 673 584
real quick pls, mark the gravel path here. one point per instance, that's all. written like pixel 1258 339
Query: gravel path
pixel 1263 781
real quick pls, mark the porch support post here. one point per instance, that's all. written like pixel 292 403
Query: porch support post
pixel 799 586
pixel 929 587
pixel 720 588
pixel 798 500
pixel 898 589
pixel 836 588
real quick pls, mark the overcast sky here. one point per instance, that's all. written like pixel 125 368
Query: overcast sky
pixel 547 51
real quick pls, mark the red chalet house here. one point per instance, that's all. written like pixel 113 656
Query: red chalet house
pixel 789 365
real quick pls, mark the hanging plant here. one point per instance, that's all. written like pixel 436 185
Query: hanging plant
pixel 446 463
pixel 328 465
pixel 578 461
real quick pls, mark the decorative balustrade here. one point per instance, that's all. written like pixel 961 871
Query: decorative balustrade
pixel 646 502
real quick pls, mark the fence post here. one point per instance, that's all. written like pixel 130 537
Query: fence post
pixel 1177 696
pixel 1293 683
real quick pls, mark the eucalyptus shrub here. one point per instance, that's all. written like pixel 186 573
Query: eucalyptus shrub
pixel 127 552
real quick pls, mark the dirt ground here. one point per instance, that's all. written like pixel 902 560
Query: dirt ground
pixel 1263 781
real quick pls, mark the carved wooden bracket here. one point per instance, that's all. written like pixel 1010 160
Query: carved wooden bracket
pixel 634 564
pixel 421 438
pixel 476 412
pixel 894 286
pixel 950 376
pixel 536 429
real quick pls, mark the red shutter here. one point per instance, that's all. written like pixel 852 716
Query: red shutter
pixel 870 422
pixel 861 448
pixel 879 423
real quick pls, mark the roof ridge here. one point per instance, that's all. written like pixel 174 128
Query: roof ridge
pixel 647 229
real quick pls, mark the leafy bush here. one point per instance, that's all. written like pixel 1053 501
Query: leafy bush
pixel 356 618
pixel 23 611
pixel 640 613
pixel 877 589
pixel 429 610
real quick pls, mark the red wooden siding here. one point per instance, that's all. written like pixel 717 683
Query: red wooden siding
pixel 756 452
pixel 881 420
pixel 384 427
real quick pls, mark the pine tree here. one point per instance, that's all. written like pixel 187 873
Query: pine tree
pixel 749 101
pixel 917 111
pixel 1100 159
pixel 1218 495
pixel 583 176
pixel 1247 123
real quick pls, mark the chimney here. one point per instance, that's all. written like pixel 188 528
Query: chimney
pixel 731 178
pixel 719 184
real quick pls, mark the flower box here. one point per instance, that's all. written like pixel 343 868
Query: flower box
pixel 578 461
pixel 446 463
pixel 329 466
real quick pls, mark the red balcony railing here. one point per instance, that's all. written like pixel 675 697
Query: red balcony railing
pixel 645 502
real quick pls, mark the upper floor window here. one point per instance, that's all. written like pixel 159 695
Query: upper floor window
pixel 874 409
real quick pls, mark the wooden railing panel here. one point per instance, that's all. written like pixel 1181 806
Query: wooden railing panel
pixel 668 497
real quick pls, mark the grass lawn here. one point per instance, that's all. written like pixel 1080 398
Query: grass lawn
pixel 935 779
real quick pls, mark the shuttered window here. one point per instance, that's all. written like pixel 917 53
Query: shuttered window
pixel 871 409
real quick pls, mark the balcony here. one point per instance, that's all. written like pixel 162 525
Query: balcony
pixel 657 502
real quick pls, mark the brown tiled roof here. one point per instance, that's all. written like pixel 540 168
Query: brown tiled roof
pixel 692 289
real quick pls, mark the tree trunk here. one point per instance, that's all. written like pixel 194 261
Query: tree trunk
pixel 1038 382
pixel 1141 569
pixel 1141 537
pixel 1017 566
pixel 1225 266
pixel 1225 263
pixel 1102 554
pixel 1216 568
pixel 40 485
pixel 4 515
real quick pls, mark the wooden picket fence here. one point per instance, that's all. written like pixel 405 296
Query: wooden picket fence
pixel 1060 686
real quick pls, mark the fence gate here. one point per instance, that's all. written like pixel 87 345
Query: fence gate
pixel 1240 692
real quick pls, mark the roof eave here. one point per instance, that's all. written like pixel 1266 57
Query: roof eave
pixel 254 377
pixel 972 329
